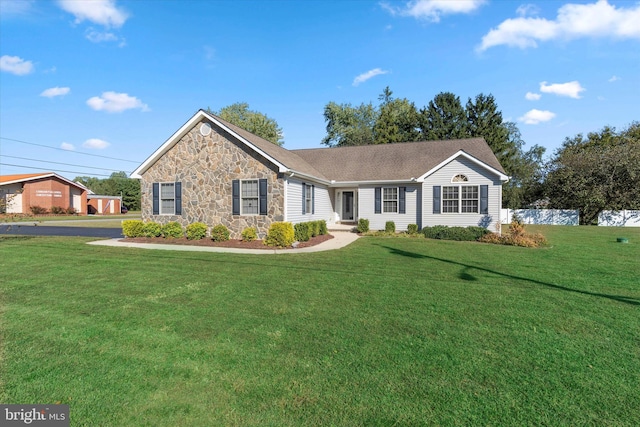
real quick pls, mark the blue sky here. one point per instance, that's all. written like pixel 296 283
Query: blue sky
pixel 90 81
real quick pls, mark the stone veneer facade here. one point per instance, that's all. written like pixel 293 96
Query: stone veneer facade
pixel 206 167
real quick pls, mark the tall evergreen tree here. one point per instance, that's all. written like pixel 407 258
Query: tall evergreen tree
pixel 443 118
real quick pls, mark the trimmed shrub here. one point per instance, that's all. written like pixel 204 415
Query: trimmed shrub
pixel 249 234
pixel 443 232
pixel 220 233
pixel 172 229
pixel 314 227
pixel 133 228
pixel 302 232
pixel 280 234
pixel 363 225
pixel 57 210
pixel 151 229
pixel 323 227
pixel 390 227
pixel 412 228
pixel 71 211
pixel 196 231
pixel 38 210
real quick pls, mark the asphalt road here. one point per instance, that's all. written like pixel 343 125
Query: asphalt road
pixel 47 230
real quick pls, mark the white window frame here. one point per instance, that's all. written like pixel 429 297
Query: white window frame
pixel 459 206
pixel 161 209
pixel 308 199
pixel 243 197
pixel 390 199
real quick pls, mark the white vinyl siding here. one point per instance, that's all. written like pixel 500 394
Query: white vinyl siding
pixel 412 215
pixel 477 176
pixel 322 209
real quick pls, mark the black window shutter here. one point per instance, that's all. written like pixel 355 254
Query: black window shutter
pixel 484 199
pixel 378 200
pixel 436 199
pixel 402 204
pixel 235 196
pixel 304 198
pixel 313 199
pixel 156 198
pixel 178 195
pixel 262 184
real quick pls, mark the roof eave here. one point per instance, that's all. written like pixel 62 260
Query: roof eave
pixel 502 176
pixel 180 133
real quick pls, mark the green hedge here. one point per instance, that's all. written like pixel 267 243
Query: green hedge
pixel 151 229
pixel 363 225
pixel 412 228
pixel 280 234
pixel 132 228
pixel 249 234
pixel 196 231
pixel 443 232
pixel 390 227
pixel 220 233
pixel 302 232
pixel 172 229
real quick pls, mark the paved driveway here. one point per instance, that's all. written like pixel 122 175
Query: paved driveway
pixel 48 230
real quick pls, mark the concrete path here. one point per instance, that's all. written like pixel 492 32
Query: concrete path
pixel 340 240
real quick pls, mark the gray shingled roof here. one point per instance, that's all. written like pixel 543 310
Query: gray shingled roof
pixel 370 162
pixel 286 157
pixel 393 161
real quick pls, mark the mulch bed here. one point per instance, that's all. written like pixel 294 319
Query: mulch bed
pixel 240 244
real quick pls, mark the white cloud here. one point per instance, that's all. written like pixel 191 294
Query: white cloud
pixel 527 10
pixel 95 36
pixel 113 102
pixel 67 146
pixel 96 144
pixel 530 96
pixel 55 91
pixel 15 7
pixel 613 79
pixel 432 10
pixel 570 89
pixel 533 117
pixel 102 12
pixel 574 21
pixel 369 74
pixel 15 65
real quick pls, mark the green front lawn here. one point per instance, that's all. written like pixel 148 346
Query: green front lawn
pixel 383 332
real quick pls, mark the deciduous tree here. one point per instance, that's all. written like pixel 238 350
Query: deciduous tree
pixel 255 122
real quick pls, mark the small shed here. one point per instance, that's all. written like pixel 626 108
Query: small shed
pixel 104 205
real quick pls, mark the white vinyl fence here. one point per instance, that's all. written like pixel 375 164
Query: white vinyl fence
pixel 619 218
pixel 541 216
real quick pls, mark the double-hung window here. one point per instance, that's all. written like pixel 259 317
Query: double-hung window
pixel 390 199
pixel 167 198
pixel 250 201
pixel 308 198
pixel 460 199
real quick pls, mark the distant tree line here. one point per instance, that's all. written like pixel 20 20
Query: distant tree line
pixel 598 172
pixel 118 184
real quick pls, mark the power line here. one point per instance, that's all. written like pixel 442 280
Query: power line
pixel 53 170
pixel 69 151
pixel 57 163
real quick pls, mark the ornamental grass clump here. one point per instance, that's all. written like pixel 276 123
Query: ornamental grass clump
pixel 196 231
pixel 220 233
pixel 517 236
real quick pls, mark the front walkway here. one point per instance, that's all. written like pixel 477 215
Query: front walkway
pixel 340 240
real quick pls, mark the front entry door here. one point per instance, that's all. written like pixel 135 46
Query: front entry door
pixel 347 206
